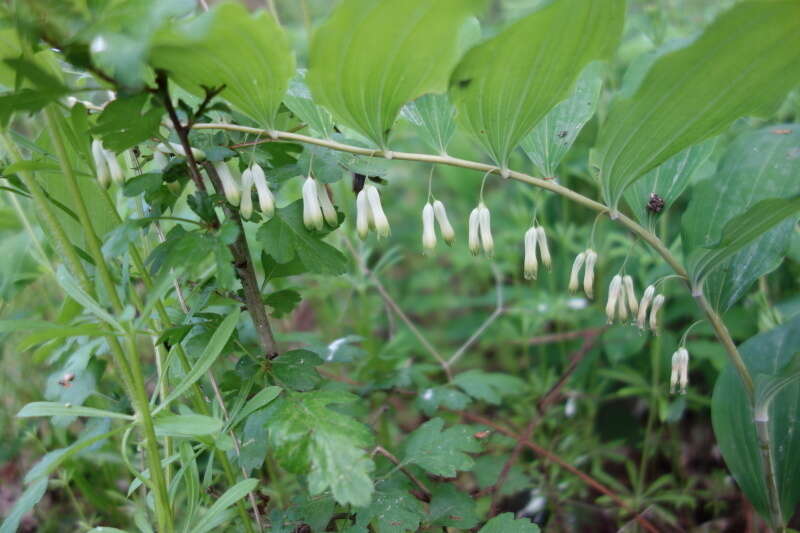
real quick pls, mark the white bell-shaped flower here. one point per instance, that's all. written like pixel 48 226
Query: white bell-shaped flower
pixel 474 239
pixel 114 168
pixel 680 370
pixel 574 275
pixel 246 203
pixel 588 273
pixel 444 223
pixel 658 302
pixel 428 228
pixel 100 164
pixel 530 265
pixel 614 290
pixel 312 211
pixel 647 298
pixel 544 249
pixel 630 294
pixel 328 211
pixel 379 219
pixel 363 215
pixel 229 185
pixel 266 202
pixel 485 225
pixel 177 149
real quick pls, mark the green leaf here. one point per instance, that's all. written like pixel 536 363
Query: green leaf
pixel 743 64
pixel 259 400
pixel 282 302
pixel 757 165
pixel 452 508
pixel 552 138
pixel 434 117
pixel 249 54
pixel 308 437
pixel 298 100
pixel 211 518
pixel 128 121
pixel 285 237
pixel 489 387
pixel 767 353
pixel 392 511
pixel 62 409
pixel 23 505
pixel 741 231
pixel 296 368
pixel 442 453
pixel 371 57
pixel 212 350
pixel 505 523
pixel 55 458
pixel 430 399
pixel 186 425
pixel 504 86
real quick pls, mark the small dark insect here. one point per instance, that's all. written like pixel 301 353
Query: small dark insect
pixel 655 204
pixel 562 134
pixel 463 84
pixel 66 379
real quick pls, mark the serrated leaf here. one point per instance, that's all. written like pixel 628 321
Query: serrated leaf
pixel 285 237
pixel 504 86
pixel 743 64
pixel 430 399
pixel 505 523
pixel 442 453
pixel 452 508
pixel 371 57
pixel 308 437
pixel 127 121
pixel 732 417
pixel 249 54
pixel 392 511
pixel 297 369
pixel 489 387
pixel 552 138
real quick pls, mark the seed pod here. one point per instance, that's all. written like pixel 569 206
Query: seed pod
pixel 444 224
pixel 575 272
pixel 474 240
pixel 630 293
pixel 680 370
pixel 649 292
pixel 266 202
pixel 428 231
pixel 312 212
pixel 362 214
pixel 544 250
pixel 376 210
pixel 658 301
pixel 588 273
pixel 117 176
pixel 614 289
pixel 100 164
pixel 530 265
pixel 328 211
pixel 485 226
pixel 229 185
pixel 246 205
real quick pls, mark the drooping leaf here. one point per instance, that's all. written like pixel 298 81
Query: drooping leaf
pixel 489 387
pixel 371 57
pixel 442 453
pixel 503 87
pixel 743 64
pixel 552 138
pixel 758 165
pixel 732 417
pixel 249 54
pixel 434 117
pixel 505 523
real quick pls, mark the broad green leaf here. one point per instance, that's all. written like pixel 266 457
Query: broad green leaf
pixel 62 409
pixel 128 121
pixel 282 302
pixel 552 138
pixel 23 505
pixel 371 57
pixel 732 417
pixel 504 86
pixel 298 100
pixel 186 425
pixel 741 231
pixel 668 180
pixel 452 508
pixel 249 54
pixel 212 350
pixel 285 237
pixel 430 399
pixel 392 510
pixel 211 518
pixel 489 387
pixel 434 117
pixel 758 165
pixel 743 64
pixel 297 369
pixel 442 453
pixel 308 437
pixel 505 523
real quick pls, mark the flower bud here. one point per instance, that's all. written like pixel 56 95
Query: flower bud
pixel 530 263
pixel 362 214
pixel 266 202
pixel 177 149
pixel 658 301
pixel 576 270
pixel 544 250
pixel 428 230
pixel 229 185
pixel 474 227
pixel 312 212
pixel 588 273
pixel 485 226
pixel 114 168
pixel 630 293
pixel 680 370
pixel 246 205
pixel 328 211
pixel 444 224
pixel 100 164
pixel 649 292
pixel 376 210
pixel 614 289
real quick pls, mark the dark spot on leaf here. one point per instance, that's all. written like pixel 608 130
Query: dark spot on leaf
pixel 463 84
pixel 561 134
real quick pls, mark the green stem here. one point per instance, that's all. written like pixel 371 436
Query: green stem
pixel 768 462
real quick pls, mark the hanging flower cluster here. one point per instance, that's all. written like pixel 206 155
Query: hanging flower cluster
pixel 106 164
pixel 435 213
pixel 535 238
pixel 680 370
pixel 480 231
pixel 369 213
pixel 317 206
pixel 254 176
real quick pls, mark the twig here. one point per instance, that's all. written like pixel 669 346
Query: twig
pixel 425 494
pixel 565 336
pixel 499 309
